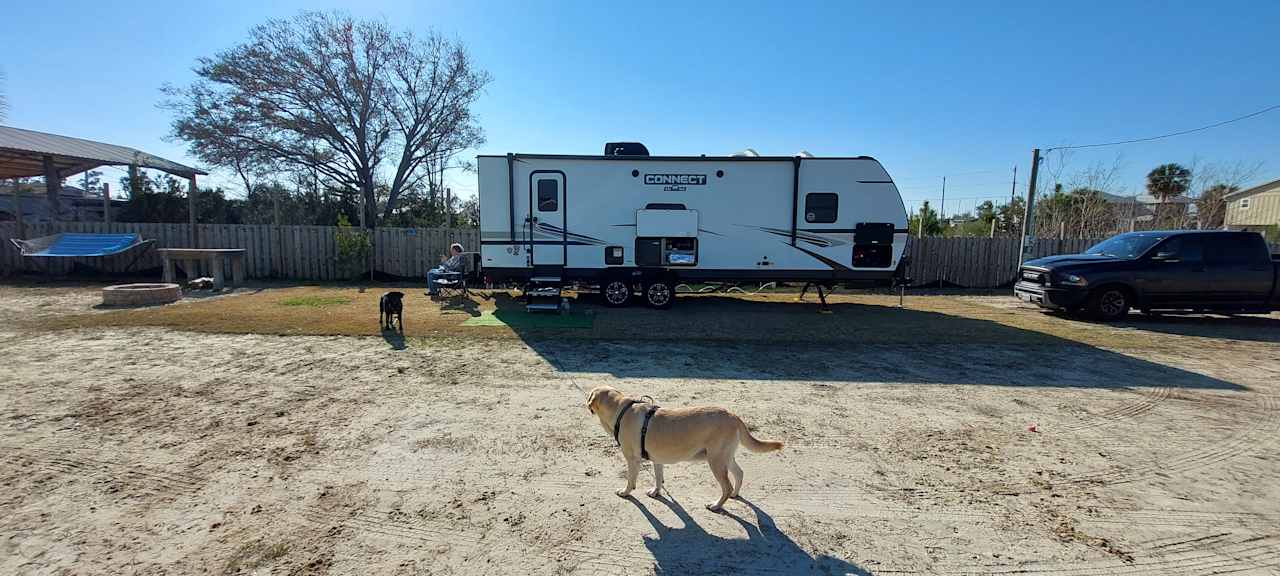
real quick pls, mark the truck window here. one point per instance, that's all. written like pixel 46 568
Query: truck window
pixel 1232 250
pixel 548 195
pixel 1125 245
pixel 821 207
pixel 1187 248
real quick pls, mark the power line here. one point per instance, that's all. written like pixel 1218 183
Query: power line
pixel 1169 135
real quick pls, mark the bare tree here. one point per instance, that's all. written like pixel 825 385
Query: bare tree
pixel 337 96
pixel 1210 185
pixel 211 130
pixel 1093 189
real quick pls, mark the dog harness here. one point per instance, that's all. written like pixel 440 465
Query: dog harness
pixel 644 428
pixel 617 422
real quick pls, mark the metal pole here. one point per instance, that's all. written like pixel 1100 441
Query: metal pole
pixel 1028 218
pixel 106 202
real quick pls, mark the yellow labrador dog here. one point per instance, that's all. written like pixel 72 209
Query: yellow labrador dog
pixel 670 435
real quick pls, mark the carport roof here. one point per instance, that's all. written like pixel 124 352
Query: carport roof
pixel 22 154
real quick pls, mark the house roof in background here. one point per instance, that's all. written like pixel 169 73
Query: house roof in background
pixel 22 154
pixel 1256 189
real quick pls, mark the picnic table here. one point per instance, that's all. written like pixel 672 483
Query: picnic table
pixel 214 256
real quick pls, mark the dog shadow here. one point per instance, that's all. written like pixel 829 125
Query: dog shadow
pixel 394 337
pixel 767 550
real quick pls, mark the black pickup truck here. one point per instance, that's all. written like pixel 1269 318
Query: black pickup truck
pixel 1196 270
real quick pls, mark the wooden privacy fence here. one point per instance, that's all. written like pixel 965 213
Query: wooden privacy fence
pixel 982 262
pixel 976 262
pixel 311 252
pixel 295 252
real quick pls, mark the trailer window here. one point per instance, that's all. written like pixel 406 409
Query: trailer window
pixel 821 207
pixel 548 196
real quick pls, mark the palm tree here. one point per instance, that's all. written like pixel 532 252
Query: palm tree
pixel 1166 182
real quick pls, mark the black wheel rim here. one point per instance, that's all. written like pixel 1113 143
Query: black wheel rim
pixel 1112 303
pixel 659 294
pixel 617 292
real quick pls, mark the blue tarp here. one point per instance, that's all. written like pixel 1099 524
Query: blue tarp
pixel 70 244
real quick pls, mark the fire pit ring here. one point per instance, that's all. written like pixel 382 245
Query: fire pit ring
pixel 140 294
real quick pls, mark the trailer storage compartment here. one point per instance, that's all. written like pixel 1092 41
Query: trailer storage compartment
pixel 666 251
pixel 667 223
pixel 873 245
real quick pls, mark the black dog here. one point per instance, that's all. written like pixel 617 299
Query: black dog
pixel 390 307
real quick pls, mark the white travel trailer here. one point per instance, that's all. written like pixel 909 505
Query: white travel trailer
pixel 634 223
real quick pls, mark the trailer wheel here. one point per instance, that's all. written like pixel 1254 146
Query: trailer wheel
pixel 616 292
pixel 659 294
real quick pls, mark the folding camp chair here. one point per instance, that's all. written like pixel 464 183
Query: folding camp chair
pixel 449 285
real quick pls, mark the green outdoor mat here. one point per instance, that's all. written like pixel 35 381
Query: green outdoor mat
pixel 522 319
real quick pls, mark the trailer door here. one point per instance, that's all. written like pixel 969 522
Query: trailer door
pixel 547 234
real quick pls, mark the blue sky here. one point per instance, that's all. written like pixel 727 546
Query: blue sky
pixel 931 89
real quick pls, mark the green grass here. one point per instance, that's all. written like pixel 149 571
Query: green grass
pixel 315 301
pixel 522 319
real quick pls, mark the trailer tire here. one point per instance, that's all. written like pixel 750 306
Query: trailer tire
pixel 616 292
pixel 660 294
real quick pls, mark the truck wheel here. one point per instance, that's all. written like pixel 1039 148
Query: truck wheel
pixel 616 292
pixel 1109 303
pixel 659 294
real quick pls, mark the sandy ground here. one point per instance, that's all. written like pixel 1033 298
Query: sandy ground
pixel 144 450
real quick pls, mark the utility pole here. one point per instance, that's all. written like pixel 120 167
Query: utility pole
pixel 1028 222
pixel 1013 187
pixel 942 207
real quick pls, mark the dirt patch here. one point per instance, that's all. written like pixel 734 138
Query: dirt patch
pixel 147 449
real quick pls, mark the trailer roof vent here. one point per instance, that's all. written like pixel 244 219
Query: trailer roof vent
pixel 625 149
pixel 751 152
pixel 805 154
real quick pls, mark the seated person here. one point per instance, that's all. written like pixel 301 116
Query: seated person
pixel 454 263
